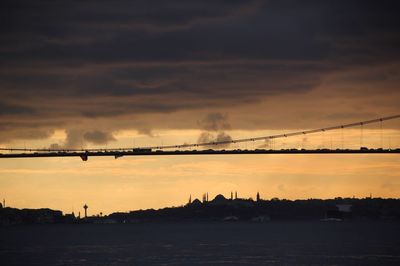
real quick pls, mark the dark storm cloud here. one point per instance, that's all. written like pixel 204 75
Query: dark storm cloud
pixel 64 61
pixel 9 109
pixel 78 138
pixel 98 137
pixel 124 13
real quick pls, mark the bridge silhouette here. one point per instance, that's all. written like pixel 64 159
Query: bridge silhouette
pixel 208 147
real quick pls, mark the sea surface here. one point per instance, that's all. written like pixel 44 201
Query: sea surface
pixel 218 243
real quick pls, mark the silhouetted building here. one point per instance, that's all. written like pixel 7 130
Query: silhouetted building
pixel 196 202
pixel 258 196
pixel 205 197
pixel 10 216
pixel 219 200
pixel 85 207
pixel 69 218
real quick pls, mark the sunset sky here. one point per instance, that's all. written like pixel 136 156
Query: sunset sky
pixel 83 74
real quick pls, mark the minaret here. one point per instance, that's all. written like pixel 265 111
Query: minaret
pixel 235 194
pixel 207 197
pixel 258 196
pixel 190 199
pixel 4 203
pixel 85 207
pixel 231 195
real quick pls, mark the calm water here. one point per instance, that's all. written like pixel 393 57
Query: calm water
pixel 275 243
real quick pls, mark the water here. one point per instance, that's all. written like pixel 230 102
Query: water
pixel 274 243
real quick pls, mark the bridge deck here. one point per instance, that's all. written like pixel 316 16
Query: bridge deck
pixel 193 152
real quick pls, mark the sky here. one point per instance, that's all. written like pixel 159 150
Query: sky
pixel 82 74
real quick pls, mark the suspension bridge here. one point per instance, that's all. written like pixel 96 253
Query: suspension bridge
pixel 214 147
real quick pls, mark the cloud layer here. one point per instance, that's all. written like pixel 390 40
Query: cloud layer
pixel 148 65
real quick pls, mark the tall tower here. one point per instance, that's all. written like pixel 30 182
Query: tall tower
pixel 85 207
pixel 235 194
pixel 258 196
pixel 231 195
pixel 4 203
pixel 190 199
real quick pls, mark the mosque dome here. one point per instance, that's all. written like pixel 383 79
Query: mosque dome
pixel 219 197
